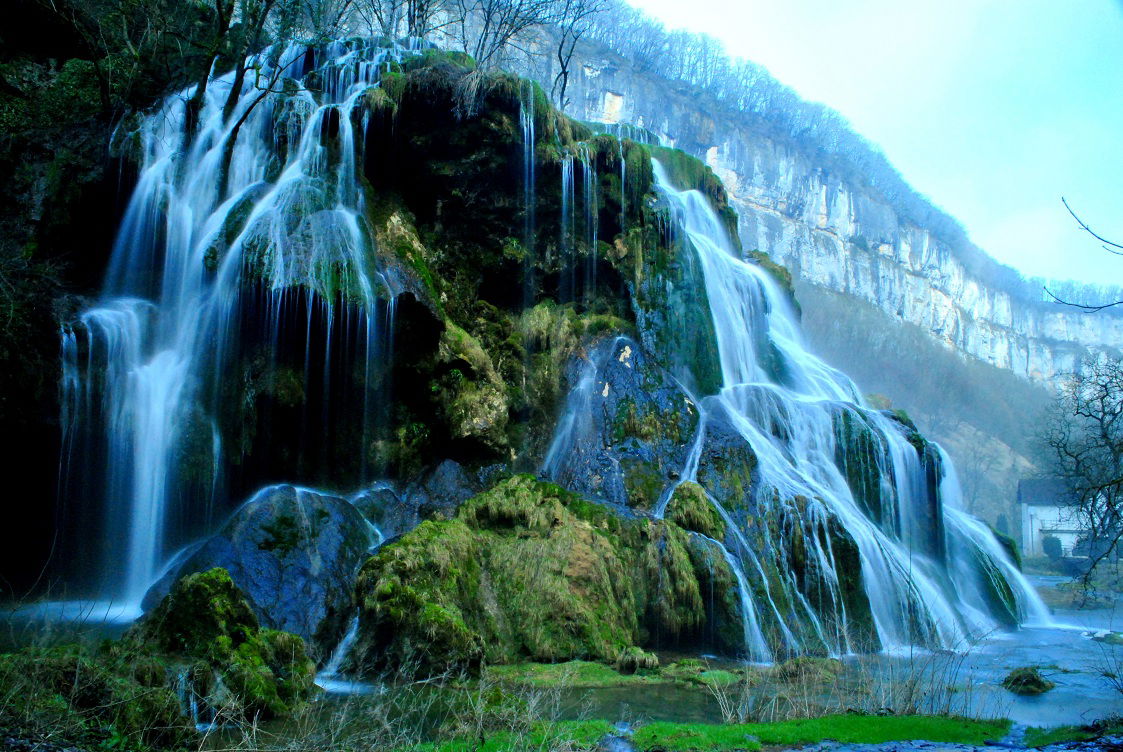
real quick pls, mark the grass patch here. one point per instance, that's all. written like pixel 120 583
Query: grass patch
pixel 567 675
pixel 850 729
pixel 579 735
pixel 1041 737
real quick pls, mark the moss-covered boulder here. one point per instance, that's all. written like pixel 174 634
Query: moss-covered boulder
pixel 690 509
pixel 294 554
pixel 206 626
pixel 1027 681
pixel 528 571
pixel 727 465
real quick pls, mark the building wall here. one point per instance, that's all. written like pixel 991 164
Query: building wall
pixel 1041 520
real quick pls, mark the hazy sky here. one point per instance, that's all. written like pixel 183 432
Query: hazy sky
pixel 993 109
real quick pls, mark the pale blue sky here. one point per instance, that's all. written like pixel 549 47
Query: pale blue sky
pixel 991 108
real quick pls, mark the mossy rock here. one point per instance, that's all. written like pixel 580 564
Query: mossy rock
pixel 690 509
pixel 1027 681
pixel 808 669
pixel 1009 545
pixel 780 273
pixel 207 618
pixel 527 571
pixel 633 660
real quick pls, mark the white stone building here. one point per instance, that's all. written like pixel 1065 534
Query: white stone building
pixel 1044 512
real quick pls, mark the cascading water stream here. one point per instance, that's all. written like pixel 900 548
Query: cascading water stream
pixel 258 216
pixel 783 400
pixel 755 644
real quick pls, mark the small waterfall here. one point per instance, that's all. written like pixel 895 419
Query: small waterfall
pixel 756 646
pixel 202 715
pixel 330 678
pixel 567 285
pixel 242 240
pixel 591 216
pixel 575 429
pixel 527 123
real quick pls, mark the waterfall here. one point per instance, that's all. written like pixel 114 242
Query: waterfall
pixel 529 136
pixel 247 237
pixel 923 573
pixel 592 214
pixel 755 645
pixel 567 285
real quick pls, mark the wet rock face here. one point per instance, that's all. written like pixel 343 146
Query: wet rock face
pixel 439 492
pixel 726 464
pixel 294 554
pixel 628 428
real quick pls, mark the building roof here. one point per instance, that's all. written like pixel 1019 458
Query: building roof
pixel 1043 492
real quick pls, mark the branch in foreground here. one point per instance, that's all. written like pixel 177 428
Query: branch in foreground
pixel 1081 306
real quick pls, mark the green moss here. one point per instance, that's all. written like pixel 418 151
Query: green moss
pixel 283 535
pixel 848 729
pixel 528 571
pixel 778 272
pixel 72 695
pixel 434 58
pixel 1010 545
pixel 688 173
pixel 567 675
pixel 857 448
pixel 1027 681
pixel 690 509
pixel 579 736
pixel 206 618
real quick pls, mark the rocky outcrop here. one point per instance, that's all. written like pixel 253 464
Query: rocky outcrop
pixel 528 570
pixel 627 429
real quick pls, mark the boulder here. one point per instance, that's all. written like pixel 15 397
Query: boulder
pixel 295 554
pixel 440 491
pixel 207 630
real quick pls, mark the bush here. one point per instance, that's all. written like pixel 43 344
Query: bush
pixel 1051 545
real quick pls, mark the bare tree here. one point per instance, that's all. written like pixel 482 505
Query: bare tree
pixel 574 19
pixel 1108 245
pixel 391 18
pixel 324 20
pixel 1084 439
pixel 487 28
pixel 381 17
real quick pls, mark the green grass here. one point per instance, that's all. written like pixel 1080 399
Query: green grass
pixel 853 729
pixel 1040 737
pixel 582 735
pixel 568 675
pixel 592 675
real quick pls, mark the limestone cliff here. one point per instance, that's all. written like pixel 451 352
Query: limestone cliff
pixel 841 235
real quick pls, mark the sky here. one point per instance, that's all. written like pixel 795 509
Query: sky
pixel 993 109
